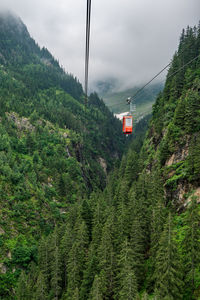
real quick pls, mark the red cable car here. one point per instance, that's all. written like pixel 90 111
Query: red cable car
pixel 127 124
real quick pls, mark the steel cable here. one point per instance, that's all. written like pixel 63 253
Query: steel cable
pixel 87 47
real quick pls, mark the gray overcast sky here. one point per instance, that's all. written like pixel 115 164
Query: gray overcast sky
pixel 131 40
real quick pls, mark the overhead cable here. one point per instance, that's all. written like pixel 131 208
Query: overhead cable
pixel 87 47
pixel 142 88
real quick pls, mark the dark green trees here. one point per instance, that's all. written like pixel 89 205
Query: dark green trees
pixel 127 287
pixel 136 239
pixel 191 247
pixel 168 275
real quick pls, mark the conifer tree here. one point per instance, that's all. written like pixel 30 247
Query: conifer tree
pixel 32 278
pixel 96 290
pixel 158 216
pixel 157 224
pixel 44 260
pixel 87 216
pixel 128 286
pixel 74 270
pixel 65 247
pixel 137 243
pixel 22 292
pixel 145 296
pixel 89 272
pixel 123 213
pixel 41 289
pixel 194 159
pixel 97 226
pixel 192 115
pixel 126 279
pixel 106 257
pixel 141 207
pixel 122 166
pixel 168 278
pixel 132 167
pixel 77 259
pixel 56 274
pixel 191 245
pixel 75 295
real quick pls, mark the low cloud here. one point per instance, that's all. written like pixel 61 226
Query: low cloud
pixel 130 40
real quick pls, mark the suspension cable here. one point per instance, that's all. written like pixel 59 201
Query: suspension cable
pixel 87 47
pixel 183 66
pixel 142 88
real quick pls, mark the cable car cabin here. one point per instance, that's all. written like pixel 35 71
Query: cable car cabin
pixel 127 124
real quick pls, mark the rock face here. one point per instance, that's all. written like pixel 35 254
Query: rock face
pixel 2 231
pixel 179 155
pixel 103 164
pixel 22 123
pixel 3 268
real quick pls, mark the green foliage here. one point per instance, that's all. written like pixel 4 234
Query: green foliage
pixel 6 283
pixel 194 158
pixel 59 240
pixel 51 147
pixel 190 247
pixel 96 293
pixel 127 281
pixel 168 277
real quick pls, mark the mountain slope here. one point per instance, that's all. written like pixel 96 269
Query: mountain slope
pixel 116 101
pixel 53 150
pixel 139 239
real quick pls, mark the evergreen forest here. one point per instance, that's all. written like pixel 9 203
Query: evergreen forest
pixel 86 213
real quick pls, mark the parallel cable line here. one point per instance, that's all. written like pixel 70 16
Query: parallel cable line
pixel 87 47
pixel 142 88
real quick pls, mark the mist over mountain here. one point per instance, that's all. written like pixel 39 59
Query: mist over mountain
pixel 85 212
pixel 51 150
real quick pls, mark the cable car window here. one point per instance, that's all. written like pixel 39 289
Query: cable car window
pixel 128 122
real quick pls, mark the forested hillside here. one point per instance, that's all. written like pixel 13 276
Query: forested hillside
pixel 139 239
pixel 62 237
pixel 53 150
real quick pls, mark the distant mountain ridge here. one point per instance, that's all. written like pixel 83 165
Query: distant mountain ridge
pixel 116 101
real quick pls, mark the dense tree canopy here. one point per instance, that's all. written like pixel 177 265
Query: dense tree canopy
pixel 68 231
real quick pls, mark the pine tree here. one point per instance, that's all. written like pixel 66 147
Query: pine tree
pixel 194 159
pixel 77 259
pixel 132 167
pixel 123 213
pixel 191 245
pixel 74 270
pixel 56 274
pixel 96 293
pixel 141 207
pixel 44 260
pixel 192 112
pixel 89 273
pixel 87 216
pixel 129 285
pixel 106 257
pixel 145 296
pixel 41 289
pixel 158 216
pixel 168 279
pixel 126 279
pixel 97 227
pixel 65 247
pixel 23 292
pixel 75 295
pixel 137 243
